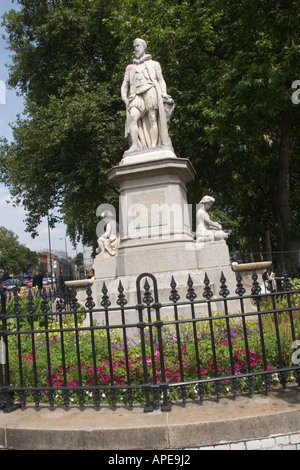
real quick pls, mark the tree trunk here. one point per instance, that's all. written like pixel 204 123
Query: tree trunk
pixel 267 247
pixel 286 242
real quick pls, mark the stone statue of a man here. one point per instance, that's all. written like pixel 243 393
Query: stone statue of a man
pixel 207 229
pixel 148 106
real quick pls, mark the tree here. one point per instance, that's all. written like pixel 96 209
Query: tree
pixel 15 258
pixel 69 136
pixel 229 65
pixel 79 263
pixel 232 65
pixel 255 121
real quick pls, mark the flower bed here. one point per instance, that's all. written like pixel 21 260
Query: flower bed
pixel 203 351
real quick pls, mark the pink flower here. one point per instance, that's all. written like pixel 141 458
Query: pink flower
pixel 74 383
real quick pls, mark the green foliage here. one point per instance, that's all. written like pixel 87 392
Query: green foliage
pixel 291 299
pixel 21 303
pixel 229 67
pixel 14 258
pixel 280 324
pixel 70 134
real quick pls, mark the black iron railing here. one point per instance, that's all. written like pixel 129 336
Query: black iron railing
pixel 174 350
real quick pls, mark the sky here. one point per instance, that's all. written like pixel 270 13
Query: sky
pixel 11 217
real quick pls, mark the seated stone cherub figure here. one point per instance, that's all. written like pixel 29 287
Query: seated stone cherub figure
pixel 108 242
pixel 208 230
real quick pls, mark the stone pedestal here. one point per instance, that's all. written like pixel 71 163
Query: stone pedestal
pixel 155 225
pixel 156 235
pixel 165 262
pixel 153 198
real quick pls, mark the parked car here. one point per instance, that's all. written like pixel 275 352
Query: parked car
pixel 11 284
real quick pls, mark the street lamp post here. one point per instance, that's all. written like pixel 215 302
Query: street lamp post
pixel 67 259
pixel 50 254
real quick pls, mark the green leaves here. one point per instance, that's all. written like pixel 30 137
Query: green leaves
pixel 229 67
pixel 64 57
pixel 14 257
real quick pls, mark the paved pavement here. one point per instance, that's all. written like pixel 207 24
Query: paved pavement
pixel 241 423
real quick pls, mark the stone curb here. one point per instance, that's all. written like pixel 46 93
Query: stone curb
pixel 230 422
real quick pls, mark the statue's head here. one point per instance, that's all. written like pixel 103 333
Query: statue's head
pixel 107 215
pixel 139 46
pixel 207 200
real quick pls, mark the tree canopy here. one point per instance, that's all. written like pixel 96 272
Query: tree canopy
pixel 14 257
pixel 229 65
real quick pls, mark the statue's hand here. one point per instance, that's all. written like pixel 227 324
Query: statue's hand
pixel 167 98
